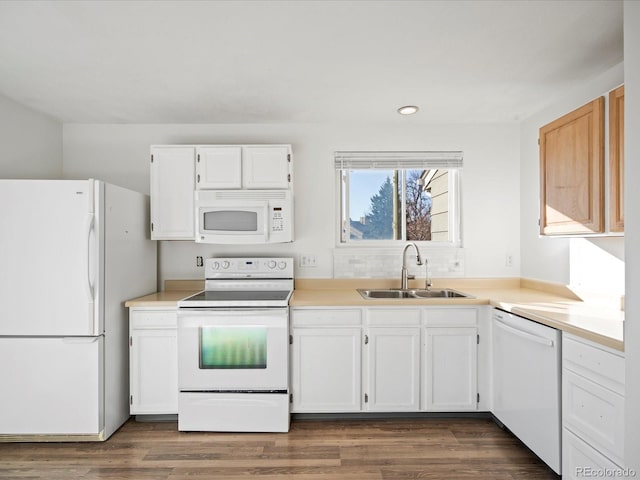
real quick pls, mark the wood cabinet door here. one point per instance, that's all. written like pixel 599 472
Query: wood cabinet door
pixel 616 159
pixel 572 172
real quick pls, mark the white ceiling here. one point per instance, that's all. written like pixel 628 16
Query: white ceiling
pixel 301 61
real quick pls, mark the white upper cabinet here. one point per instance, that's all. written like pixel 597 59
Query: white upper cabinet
pixel 172 199
pixel 266 167
pixel 218 167
pixel 243 166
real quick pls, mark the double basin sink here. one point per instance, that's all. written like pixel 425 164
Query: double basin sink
pixel 391 293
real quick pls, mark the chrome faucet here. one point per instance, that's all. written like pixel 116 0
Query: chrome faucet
pixel 403 275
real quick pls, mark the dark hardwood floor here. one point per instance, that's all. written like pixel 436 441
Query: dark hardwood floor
pixel 431 448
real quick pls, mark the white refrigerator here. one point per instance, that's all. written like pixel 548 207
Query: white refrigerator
pixel 71 253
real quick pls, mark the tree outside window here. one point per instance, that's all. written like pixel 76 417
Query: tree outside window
pixel 400 207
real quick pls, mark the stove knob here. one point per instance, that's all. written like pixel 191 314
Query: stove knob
pixel 225 264
pixel 282 265
pixel 272 264
pixel 216 265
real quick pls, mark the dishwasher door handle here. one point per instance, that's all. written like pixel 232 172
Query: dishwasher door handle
pixel 526 335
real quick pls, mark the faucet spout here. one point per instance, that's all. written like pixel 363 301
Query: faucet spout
pixel 403 274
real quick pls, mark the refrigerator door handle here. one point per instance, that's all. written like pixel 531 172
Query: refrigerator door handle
pixel 87 255
pixel 79 340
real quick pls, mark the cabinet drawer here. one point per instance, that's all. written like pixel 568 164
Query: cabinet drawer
pixel 594 362
pixel 594 413
pixel 393 316
pixel 323 317
pixel 448 317
pixel 156 319
pixel 580 460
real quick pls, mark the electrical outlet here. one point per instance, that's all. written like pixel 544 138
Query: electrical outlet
pixel 508 261
pixel 199 261
pixel 308 261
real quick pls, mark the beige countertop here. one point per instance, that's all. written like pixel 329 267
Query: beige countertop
pixel 549 304
pixel 167 298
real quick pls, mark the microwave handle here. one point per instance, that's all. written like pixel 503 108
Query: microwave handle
pixel 266 222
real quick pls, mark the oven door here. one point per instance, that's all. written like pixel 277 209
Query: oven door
pixel 222 350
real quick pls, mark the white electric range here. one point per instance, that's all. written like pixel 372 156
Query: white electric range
pixel 233 345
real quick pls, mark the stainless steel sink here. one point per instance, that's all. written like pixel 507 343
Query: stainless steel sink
pixel 412 293
pixel 443 293
pixel 386 293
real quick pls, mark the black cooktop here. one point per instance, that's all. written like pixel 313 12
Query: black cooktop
pixel 239 296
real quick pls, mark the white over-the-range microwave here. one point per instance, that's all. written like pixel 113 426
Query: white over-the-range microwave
pixel 244 216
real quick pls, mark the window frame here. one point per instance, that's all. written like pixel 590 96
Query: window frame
pixel 454 197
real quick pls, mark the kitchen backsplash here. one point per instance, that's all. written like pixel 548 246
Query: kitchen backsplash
pixel 387 262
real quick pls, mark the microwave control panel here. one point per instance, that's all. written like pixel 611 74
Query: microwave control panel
pixel 277 220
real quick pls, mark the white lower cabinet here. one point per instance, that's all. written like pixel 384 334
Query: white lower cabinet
pixel 326 356
pixel 393 369
pixel 581 460
pixel 592 409
pixel 450 369
pixel 325 369
pixel 383 359
pixel 153 361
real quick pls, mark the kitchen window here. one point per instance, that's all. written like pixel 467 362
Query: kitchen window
pixel 399 196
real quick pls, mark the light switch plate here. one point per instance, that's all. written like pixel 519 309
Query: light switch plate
pixel 308 261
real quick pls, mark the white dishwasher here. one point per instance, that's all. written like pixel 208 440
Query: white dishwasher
pixel 527 383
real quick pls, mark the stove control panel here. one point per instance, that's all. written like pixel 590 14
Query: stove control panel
pixel 258 267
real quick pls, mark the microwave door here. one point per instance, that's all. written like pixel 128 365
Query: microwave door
pixel 234 224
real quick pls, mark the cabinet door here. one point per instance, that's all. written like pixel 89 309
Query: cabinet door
pixel 450 369
pixel 393 369
pixel 172 193
pixel 616 159
pixel 594 413
pixel 266 167
pixel 325 369
pixel 572 172
pixel 580 460
pixel 219 167
pixel 153 357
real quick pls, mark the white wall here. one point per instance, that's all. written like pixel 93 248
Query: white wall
pixel 547 258
pixel 30 142
pixel 632 230
pixel 120 154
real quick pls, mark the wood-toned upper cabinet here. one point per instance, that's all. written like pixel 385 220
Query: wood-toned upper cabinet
pixel 616 160
pixel 572 172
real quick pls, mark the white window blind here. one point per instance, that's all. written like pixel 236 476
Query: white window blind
pixel 397 160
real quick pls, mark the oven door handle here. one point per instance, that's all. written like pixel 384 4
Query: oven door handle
pixel 241 317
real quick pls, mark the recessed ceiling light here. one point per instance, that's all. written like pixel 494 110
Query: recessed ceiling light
pixel 408 110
